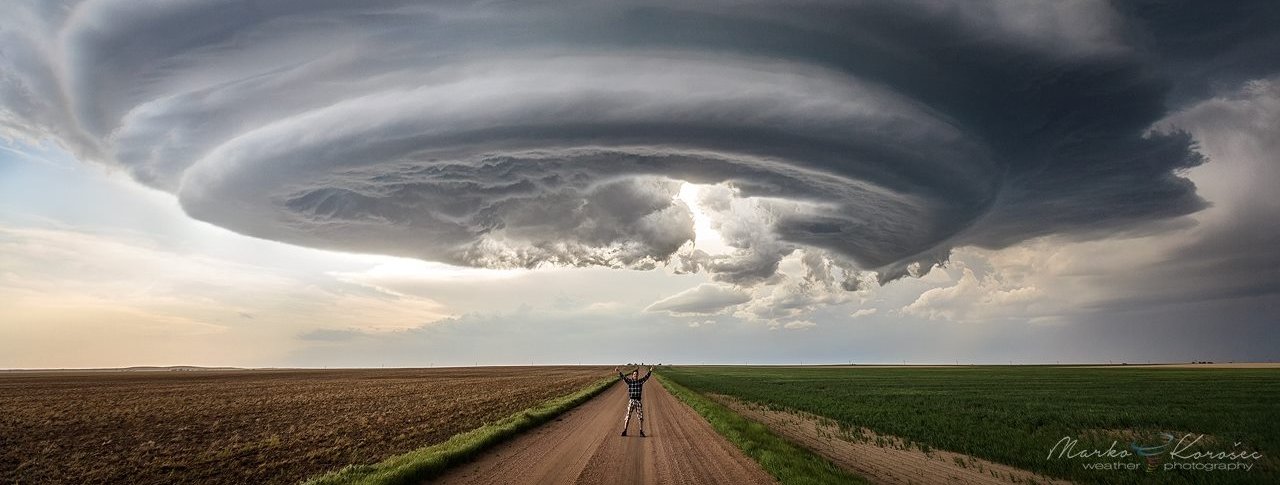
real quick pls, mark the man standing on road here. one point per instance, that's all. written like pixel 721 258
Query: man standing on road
pixel 635 384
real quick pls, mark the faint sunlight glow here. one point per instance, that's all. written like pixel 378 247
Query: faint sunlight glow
pixel 408 269
pixel 706 237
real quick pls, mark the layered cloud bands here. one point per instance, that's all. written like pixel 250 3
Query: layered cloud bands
pixel 515 135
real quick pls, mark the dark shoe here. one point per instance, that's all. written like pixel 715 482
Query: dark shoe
pixel 624 432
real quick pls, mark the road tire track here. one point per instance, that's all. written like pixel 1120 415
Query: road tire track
pixel 584 446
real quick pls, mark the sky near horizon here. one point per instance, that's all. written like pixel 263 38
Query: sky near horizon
pixel 387 183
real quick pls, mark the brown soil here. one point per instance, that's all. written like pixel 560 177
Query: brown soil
pixel 259 426
pixel 584 446
pixel 881 458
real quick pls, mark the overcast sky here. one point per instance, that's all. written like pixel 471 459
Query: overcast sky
pixel 315 183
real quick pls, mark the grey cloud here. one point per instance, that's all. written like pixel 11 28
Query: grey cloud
pixel 884 133
pixel 1232 252
pixel 1210 47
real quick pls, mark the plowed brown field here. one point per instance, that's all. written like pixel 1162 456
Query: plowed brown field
pixel 253 426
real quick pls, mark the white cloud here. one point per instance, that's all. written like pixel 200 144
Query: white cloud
pixel 704 299
pixel 799 325
pixel 703 323
pixel 805 281
pixel 864 312
pixel 972 299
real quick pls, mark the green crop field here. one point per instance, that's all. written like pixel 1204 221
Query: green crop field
pixel 1016 415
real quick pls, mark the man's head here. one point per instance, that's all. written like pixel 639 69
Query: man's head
pixel 635 373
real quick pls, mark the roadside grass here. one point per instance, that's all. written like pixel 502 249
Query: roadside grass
pixel 431 461
pixel 790 464
pixel 1016 415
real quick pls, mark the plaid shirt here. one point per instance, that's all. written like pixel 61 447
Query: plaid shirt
pixel 634 386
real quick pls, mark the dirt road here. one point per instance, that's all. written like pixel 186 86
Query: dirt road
pixel 584 446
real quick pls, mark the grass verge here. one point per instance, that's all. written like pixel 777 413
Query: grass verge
pixel 427 462
pixel 789 463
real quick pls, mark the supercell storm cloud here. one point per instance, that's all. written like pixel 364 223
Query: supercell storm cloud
pixel 520 134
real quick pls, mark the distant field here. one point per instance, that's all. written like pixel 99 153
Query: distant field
pixel 1015 415
pixel 247 426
